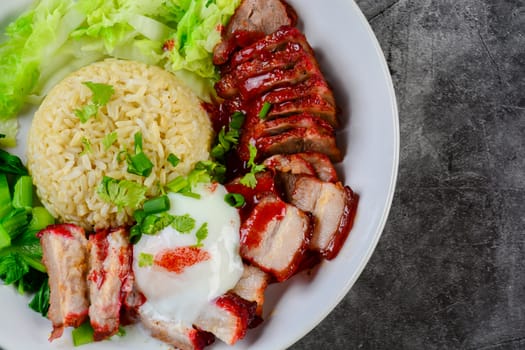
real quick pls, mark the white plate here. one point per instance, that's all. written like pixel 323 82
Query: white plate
pixel 354 64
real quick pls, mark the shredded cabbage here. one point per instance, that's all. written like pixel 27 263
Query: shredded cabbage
pixel 55 37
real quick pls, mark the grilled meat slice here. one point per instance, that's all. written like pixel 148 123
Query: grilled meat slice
pixel 64 249
pixel 271 43
pixel 332 206
pixel 322 165
pixel 227 317
pixel 259 16
pixel 315 85
pixel 299 140
pixel 289 163
pixel 285 59
pixel 251 286
pixel 312 104
pixel 278 126
pixel 175 334
pixel 275 237
pixel 110 258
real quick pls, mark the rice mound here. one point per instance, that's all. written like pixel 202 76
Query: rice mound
pixel 147 99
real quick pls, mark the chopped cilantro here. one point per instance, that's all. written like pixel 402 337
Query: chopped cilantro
pixel 86 145
pixel 109 140
pixel 145 260
pixel 122 193
pixel 101 94
pixel 201 234
pixel 183 223
pixel 249 178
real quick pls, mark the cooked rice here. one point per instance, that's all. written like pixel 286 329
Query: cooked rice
pixel 147 99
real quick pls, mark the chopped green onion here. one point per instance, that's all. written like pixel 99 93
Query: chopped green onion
pixel 173 159
pixel 237 120
pixel 177 184
pixel 264 110
pixel 156 205
pixel 152 224
pixel 135 234
pixel 138 142
pixel 236 200
pixel 83 334
pixel 23 193
pixel 41 219
pixel 139 164
pixel 145 260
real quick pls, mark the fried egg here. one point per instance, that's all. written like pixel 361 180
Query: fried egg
pixel 181 272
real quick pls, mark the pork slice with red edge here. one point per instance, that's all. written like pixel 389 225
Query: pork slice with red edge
pixel 64 248
pixel 313 104
pixel 289 163
pixel 252 285
pixel 259 16
pixel 110 258
pixel 322 165
pixel 275 237
pixel 179 336
pixel 228 317
pixel 332 206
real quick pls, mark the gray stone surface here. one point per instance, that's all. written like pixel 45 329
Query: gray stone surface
pixel 449 270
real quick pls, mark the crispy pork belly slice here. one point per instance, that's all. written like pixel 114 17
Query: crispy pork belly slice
pixel 261 16
pixel 227 317
pixel 64 249
pixel 251 286
pixel 275 237
pixel 110 258
pixel 175 334
pixel 300 140
pixel 311 104
pixel 271 43
pixel 305 120
pixel 315 85
pixel 289 163
pixel 322 165
pixel 332 206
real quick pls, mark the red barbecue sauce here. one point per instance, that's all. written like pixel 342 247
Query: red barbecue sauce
pixel 178 259
pixel 253 228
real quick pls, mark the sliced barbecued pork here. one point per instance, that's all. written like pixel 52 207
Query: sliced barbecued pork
pixel 227 317
pixel 110 256
pixel 64 249
pixel 175 334
pixel 299 140
pixel 312 104
pixel 322 165
pixel 252 285
pixel 275 237
pixel 332 206
pixel 253 16
pixel 306 163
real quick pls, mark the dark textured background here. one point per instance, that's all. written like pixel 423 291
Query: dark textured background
pixel 449 270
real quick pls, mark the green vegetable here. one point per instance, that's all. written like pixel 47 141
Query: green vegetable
pixel 139 163
pixel 264 110
pixel 152 224
pixel 156 205
pixel 11 164
pixel 145 260
pixel 86 145
pixel 201 234
pixel 83 334
pixel 109 140
pixel 40 219
pixel 236 200
pixel 23 193
pixel 122 193
pixel 178 34
pixel 249 178
pixel 173 160
pixel 183 223
pixel 40 302
pixel 8 130
pixel 101 94
pixel 5 196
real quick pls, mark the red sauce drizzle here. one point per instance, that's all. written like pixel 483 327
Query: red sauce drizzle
pixel 178 259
